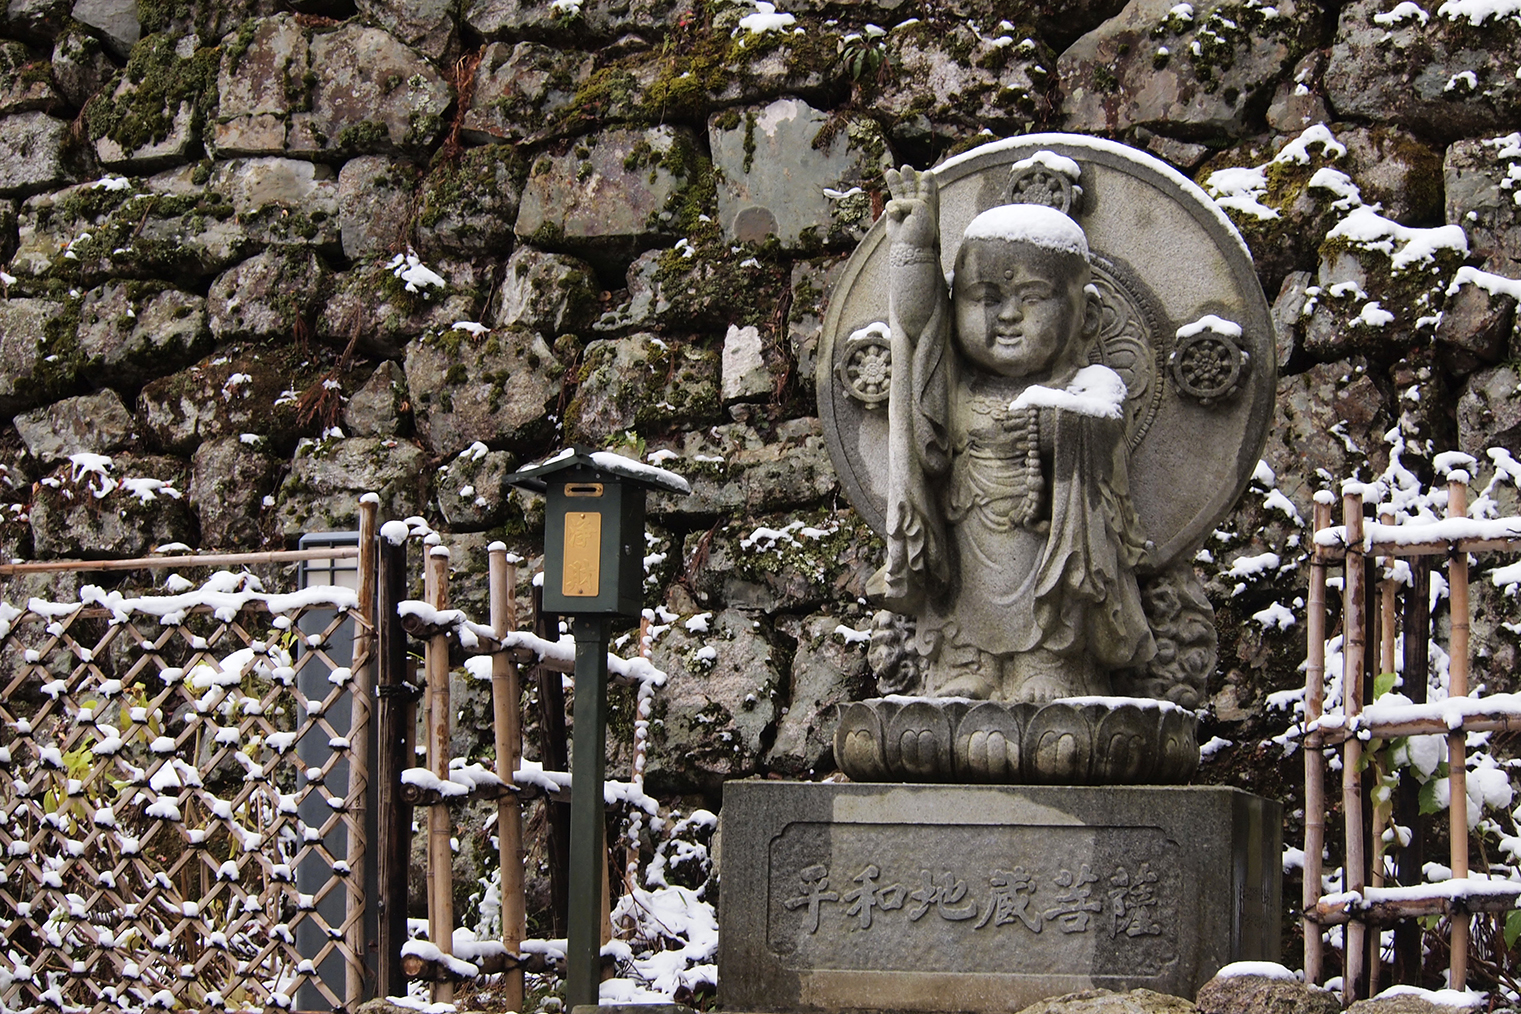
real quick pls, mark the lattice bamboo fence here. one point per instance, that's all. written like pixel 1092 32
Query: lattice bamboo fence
pixel 156 829
pixel 1370 900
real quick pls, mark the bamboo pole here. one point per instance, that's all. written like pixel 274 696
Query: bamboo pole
pixel 1382 804
pixel 1387 593
pixel 394 740
pixel 1457 746
pixel 187 560
pixel 1314 756
pixel 505 703
pixel 360 688
pixel 1354 978
pixel 440 856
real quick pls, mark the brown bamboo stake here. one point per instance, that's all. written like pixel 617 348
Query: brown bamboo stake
pixel 1457 746
pixel 440 856
pixel 641 756
pixel 1314 756
pixel 505 702
pixel 1354 867
pixel 360 688
pixel 1387 632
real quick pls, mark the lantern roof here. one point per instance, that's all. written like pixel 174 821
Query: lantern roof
pixel 615 467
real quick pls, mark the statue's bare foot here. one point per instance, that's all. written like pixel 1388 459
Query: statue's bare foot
pixel 1040 689
pixel 969 685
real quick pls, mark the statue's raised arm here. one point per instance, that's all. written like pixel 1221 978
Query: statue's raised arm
pixel 918 404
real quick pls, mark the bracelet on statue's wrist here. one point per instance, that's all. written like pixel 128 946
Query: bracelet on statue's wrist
pixel 903 254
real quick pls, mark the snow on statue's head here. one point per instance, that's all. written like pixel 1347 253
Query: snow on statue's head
pixel 1021 295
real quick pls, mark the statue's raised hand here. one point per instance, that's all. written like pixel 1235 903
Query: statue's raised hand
pixel 913 214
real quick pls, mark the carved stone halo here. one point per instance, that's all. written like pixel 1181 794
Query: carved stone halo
pixel 1163 255
pixel 1130 343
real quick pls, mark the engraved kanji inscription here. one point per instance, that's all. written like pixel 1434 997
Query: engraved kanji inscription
pixel 869 896
pixel 1133 903
pixel 943 893
pixel 1074 901
pixel 1009 897
pixel 816 890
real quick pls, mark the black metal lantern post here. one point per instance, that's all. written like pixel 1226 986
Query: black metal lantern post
pixel 593 574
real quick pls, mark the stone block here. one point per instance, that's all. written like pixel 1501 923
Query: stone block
pixel 253 105
pixel 1489 411
pixel 28 377
pixel 267 295
pixel 355 90
pixel 284 201
pixel 32 153
pixel 546 292
pixel 828 669
pixel 80 66
pixel 1477 186
pixel 720 702
pixel 240 390
pixel 522 91
pixel 467 206
pixel 128 335
pixel 970 898
pixel 1259 994
pixel 782 563
pixel 609 195
pixel 371 94
pixel 746 376
pixel 166 227
pixel 26 83
pixel 327 478
pixel 1448 76
pixel 641 380
pixel 374 200
pixel 776 175
pixel 377 408
pixel 426 25
pixel 95 423
pixel 1152 65
pixel 1105 1001
pixel 231 480
pixel 472 495
pixel 115 20
pixel 734 471
pixel 954 82
pixel 388 312
pixel 121 509
pixel 498 389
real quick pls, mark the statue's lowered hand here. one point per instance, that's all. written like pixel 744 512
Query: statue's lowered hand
pixel 913 214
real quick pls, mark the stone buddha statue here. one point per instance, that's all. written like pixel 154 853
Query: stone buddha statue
pixel 1011 536
pixel 1046 375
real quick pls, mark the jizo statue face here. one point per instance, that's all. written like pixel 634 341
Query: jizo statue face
pixel 1019 308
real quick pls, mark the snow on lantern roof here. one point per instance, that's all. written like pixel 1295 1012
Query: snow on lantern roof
pixel 576 457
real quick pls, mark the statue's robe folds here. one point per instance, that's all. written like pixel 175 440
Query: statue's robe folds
pixel 1045 549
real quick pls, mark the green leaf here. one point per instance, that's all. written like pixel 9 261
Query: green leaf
pixel 1384 683
pixel 1512 927
pixel 1428 798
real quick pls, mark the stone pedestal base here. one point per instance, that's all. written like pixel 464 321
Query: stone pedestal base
pixel 988 898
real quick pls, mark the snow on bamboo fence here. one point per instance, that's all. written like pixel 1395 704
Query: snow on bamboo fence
pixel 1377 557
pixel 182 791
